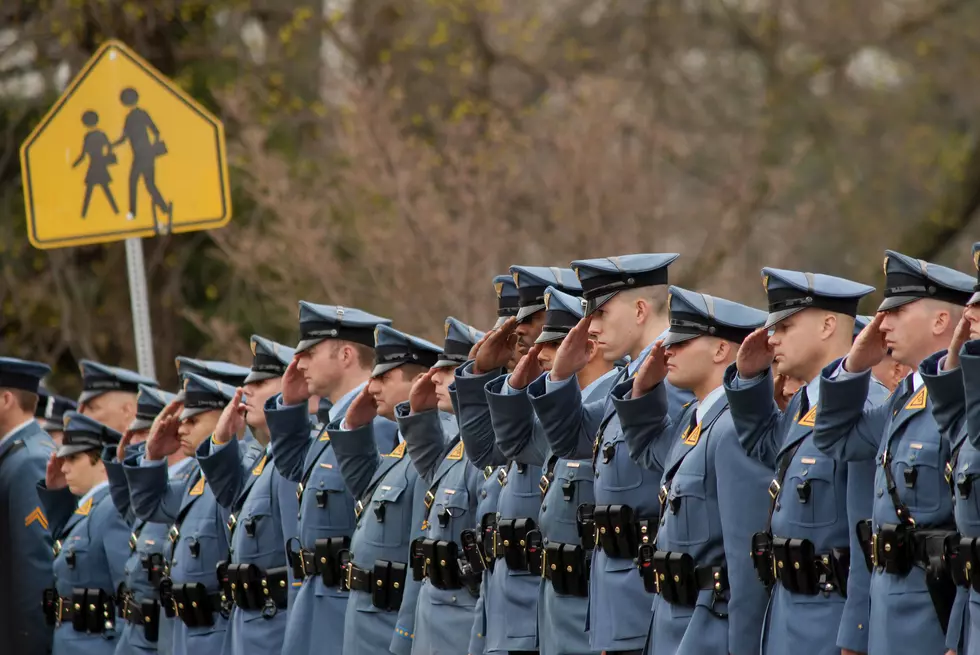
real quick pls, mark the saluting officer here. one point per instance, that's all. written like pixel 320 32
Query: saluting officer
pixel 25 564
pixel 198 531
pixel 109 393
pixel 383 595
pixel 511 596
pixel 912 515
pixel 50 413
pixel 560 551
pixel 810 325
pixel 146 627
pixel 713 496
pixel 333 360
pixel 93 540
pixel 622 294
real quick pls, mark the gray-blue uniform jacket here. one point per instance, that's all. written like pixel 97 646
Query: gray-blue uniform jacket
pixel 388 517
pixel 947 391
pixel 561 619
pixel 94 547
pixel 817 510
pixel 197 541
pixel 326 510
pixel 903 618
pixel 264 505
pixel 25 550
pixel 619 615
pixel 494 478
pixel 716 499
pixel 444 617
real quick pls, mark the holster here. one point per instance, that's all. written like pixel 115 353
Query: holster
pixel 762 559
pixel 469 541
pixel 154 565
pixel 417 556
pixel 150 613
pixel 488 528
pixel 644 562
pixel 865 536
pixel 49 605
pixel 533 552
pixel 585 522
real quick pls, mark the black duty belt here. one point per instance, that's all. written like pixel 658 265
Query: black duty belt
pixel 896 548
pixel 145 614
pixel 193 603
pixel 568 566
pixel 619 532
pixel 486 538
pixel 676 577
pixel 440 561
pixel 385 583
pixel 510 542
pixel 251 588
pixel 795 564
pixel 88 610
pixel 328 559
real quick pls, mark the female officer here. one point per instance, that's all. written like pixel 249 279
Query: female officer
pixel 92 540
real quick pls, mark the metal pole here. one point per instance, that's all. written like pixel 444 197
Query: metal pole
pixel 139 303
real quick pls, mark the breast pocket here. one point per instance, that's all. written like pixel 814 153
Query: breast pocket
pixel 255 533
pixel 386 510
pixel 689 505
pixel 198 549
pixel 72 568
pixel 616 471
pixel 572 486
pixel 809 494
pixel 918 476
pixel 450 513
pixel 967 492
pixel 326 498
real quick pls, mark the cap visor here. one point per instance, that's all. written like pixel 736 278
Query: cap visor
pixel 74 449
pixel 381 369
pixel 597 302
pixel 258 376
pixel 190 412
pixel 525 312
pixel 306 344
pixel 895 301
pixel 550 337
pixel 678 337
pixel 974 299
pixel 781 315
pixel 89 395
pixel 52 426
pixel 140 424
pixel 446 363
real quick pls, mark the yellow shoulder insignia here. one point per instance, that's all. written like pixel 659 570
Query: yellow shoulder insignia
pixel 918 400
pixel 687 404
pixel 84 508
pixel 38 516
pixel 198 488
pixel 691 437
pixel 398 452
pixel 260 466
pixel 457 452
pixel 325 436
pixel 810 419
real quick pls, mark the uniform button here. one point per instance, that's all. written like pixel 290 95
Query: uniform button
pixel 483 493
pixel 860 626
pixel 805 471
pixel 544 507
pixel 880 493
pixel 453 599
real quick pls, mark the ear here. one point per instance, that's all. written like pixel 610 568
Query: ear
pixel 829 327
pixel 592 348
pixel 346 355
pixel 942 320
pixel 643 310
pixel 723 351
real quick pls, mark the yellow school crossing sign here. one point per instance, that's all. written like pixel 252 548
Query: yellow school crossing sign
pixel 123 153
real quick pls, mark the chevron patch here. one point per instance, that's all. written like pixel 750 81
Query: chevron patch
pixel 198 488
pixel 918 400
pixel 84 508
pixel 36 516
pixel 457 452
pixel 260 466
pixel 398 452
pixel 691 437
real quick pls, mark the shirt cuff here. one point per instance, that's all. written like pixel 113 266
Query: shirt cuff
pixel 507 390
pixel 550 385
pixel 150 463
pixel 843 374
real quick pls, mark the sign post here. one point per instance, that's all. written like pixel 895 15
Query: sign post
pixel 124 154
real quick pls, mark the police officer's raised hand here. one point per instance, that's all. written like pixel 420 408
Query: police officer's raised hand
pixel 573 353
pixel 479 344
pixel 422 397
pixel 294 389
pixel 164 440
pixel 869 348
pixel 652 371
pixel 527 370
pixel 960 336
pixel 232 420
pixel 362 411
pixel 497 348
pixel 54 478
pixel 755 354
pixel 127 438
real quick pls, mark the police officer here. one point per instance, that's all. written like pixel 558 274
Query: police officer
pixel 146 628
pixel 621 294
pixel 92 540
pixel 333 360
pixel 25 565
pixel 109 393
pixel 446 556
pixel 565 484
pixel 511 596
pixel 383 594
pixel 198 532
pixel 50 413
pixel 910 610
pixel 713 495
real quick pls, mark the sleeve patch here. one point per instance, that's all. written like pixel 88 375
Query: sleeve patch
pixel 36 516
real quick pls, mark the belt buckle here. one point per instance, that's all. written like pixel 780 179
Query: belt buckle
pixel 949 472
pixel 299 492
pixel 303 561
pixel 358 509
pixel 774 489
pixel 429 499
pixel 173 534
pixel 60 607
pixel 874 549
pixel 232 522
pixel 662 494
pixel 350 573
pixel 544 483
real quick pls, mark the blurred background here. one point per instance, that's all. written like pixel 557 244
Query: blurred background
pixel 395 154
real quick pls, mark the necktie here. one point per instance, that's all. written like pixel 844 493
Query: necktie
pixel 804 402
